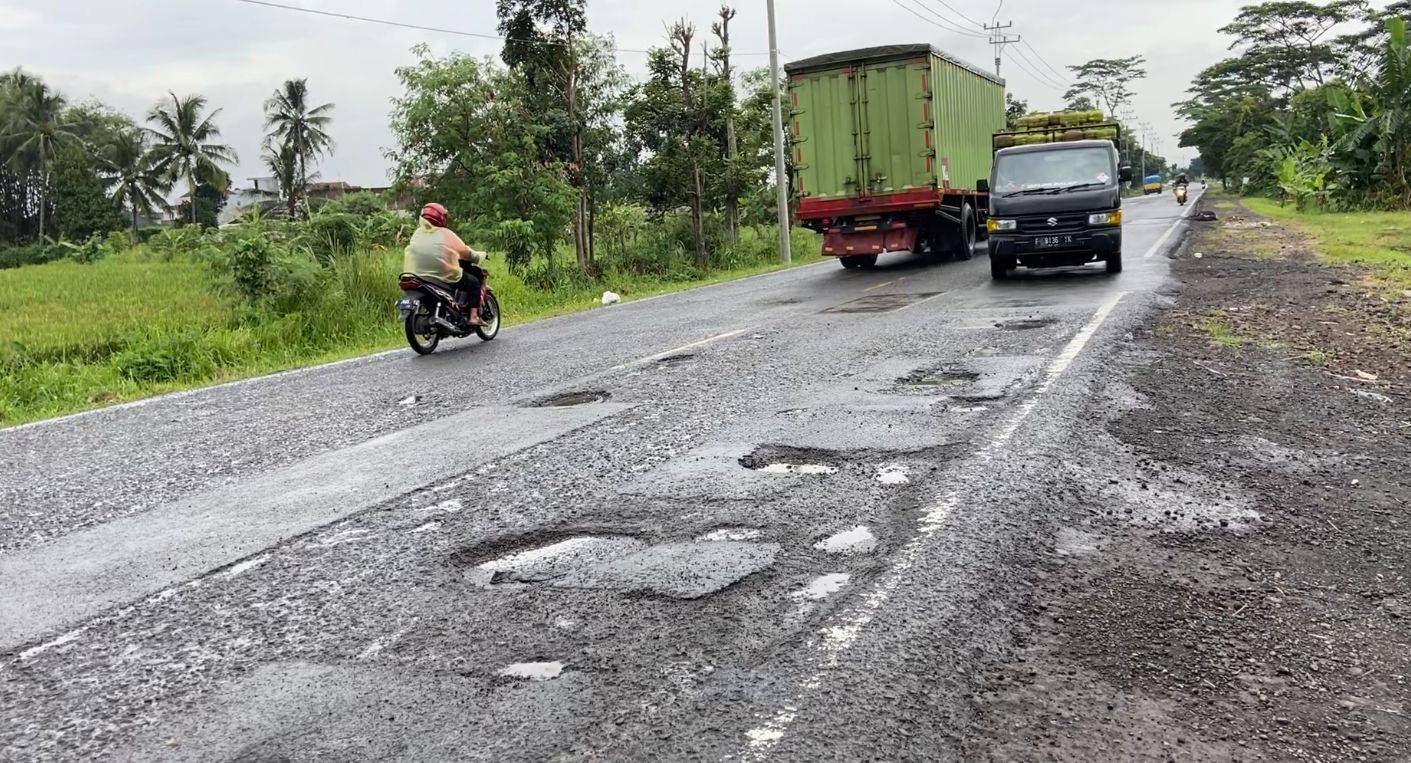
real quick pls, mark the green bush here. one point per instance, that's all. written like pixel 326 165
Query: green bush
pixel 330 234
pixel 361 204
pixel 253 272
pixel 171 357
pixel 31 254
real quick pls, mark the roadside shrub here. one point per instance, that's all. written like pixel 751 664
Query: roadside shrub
pixel 170 243
pixel 31 254
pixel 361 204
pixel 184 356
pixel 90 251
pixel 329 234
pixel 253 274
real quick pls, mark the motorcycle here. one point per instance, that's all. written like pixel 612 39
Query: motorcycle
pixel 1181 195
pixel 431 311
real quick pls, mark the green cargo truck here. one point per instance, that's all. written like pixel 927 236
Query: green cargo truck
pixel 886 144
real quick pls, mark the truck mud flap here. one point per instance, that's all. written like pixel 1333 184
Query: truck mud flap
pixel 841 244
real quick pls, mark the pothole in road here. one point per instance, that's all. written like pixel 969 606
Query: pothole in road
pixel 858 540
pixel 533 671
pixel 682 570
pixel 823 586
pixel 939 378
pixel 673 360
pixel 781 459
pixel 1025 324
pixel 730 533
pixel 570 399
pixel 880 303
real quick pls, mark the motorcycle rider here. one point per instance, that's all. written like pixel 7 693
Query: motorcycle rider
pixel 435 252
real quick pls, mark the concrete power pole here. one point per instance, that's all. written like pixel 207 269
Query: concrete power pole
pixel 781 177
pixel 999 39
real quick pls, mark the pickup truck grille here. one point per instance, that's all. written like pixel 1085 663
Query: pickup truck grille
pixel 1067 222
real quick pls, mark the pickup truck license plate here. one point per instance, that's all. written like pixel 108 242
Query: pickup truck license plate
pixel 1052 242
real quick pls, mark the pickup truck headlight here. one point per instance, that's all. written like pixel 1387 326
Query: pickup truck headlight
pixel 1106 218
pixel 995 225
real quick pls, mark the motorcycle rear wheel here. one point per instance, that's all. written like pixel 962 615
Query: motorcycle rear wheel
pixel 490 316
pixel 419 320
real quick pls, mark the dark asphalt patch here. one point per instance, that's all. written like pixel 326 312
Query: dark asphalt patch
pixel 672 360
pixel 570 399
pixel 1026 324
pixel 881 303
pixel 939 377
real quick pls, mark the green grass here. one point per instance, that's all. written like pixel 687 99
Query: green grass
pixel 1380 241
pixel 1217 327
pixel 75 337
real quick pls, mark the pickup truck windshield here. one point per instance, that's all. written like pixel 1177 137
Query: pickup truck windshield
pixel 1053 170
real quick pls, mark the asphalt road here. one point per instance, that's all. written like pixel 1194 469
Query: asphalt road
pixel 775 526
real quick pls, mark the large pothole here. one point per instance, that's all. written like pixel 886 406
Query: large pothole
pixel 570 399
pixel 681 570
pixel 783 459
pixel 1026 324
pixel 941 377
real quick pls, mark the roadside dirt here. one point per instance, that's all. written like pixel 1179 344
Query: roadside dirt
pixel 1228 575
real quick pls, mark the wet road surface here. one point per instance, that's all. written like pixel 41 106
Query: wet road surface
pixel 763 520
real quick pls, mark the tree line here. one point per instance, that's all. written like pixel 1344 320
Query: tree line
pixel 1315 106
pixel 77 170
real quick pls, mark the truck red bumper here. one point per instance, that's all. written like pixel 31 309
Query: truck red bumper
pixel 837 243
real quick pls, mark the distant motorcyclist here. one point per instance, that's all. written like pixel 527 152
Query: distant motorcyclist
pixel 436 252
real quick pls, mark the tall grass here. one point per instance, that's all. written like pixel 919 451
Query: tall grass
pixel 151 320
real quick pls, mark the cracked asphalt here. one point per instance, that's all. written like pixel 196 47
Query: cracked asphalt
pixel 771 519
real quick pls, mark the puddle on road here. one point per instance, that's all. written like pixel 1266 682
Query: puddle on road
pixel 823 586
pixel 556 560
pixel 534 671
pixel 570 399
pixel 731 533
pixel 678 570
pixel 893 474
pixel 858 540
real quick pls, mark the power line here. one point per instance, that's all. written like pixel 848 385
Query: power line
pixel 418 27
pixel 1061 76
pixel 1038 72
pixel 999 39
pixel 942 23
pixel 1041 81
pixel 953 9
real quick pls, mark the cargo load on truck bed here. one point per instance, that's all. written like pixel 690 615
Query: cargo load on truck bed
pixel 1057 127
pixel 887 143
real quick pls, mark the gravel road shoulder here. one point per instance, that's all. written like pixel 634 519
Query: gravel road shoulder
pixel 1227 577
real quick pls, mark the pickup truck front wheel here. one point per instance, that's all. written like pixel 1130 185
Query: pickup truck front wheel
pixel 1000 267
pixel 1114 262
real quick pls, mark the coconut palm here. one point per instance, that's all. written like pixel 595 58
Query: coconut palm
pixel 35 126
pixel 142 181
pixel 183 134
pixel 293 123
pixel 283 164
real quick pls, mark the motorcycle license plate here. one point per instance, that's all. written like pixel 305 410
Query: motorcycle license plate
pixel 404 308
pixel 1053 242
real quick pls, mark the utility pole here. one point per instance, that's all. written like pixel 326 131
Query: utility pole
pixel 781 179
pixel 999 39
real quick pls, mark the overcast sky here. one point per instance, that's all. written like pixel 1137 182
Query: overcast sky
pixel 130 53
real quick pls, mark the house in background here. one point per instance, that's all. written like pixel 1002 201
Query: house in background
pixel 260 192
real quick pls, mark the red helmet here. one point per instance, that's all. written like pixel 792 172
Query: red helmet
pixel 435 214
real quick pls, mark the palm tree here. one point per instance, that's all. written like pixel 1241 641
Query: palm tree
pixel 142 179
pixel 293 123
pixel 183 135
pixel 35 126
pixel 283 164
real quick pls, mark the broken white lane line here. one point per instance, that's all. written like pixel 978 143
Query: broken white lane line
pixel 844 630
pixel 676 351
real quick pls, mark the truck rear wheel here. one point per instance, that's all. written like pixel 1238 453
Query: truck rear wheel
pixel 963 237
pixel 859 261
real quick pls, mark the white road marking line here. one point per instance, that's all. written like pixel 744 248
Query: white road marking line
pixel 677 351
pixel 60 641
pixel 1155 248
pixel 839 636
pixel 247 565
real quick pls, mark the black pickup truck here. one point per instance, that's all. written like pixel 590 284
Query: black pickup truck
pixel 1055 201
